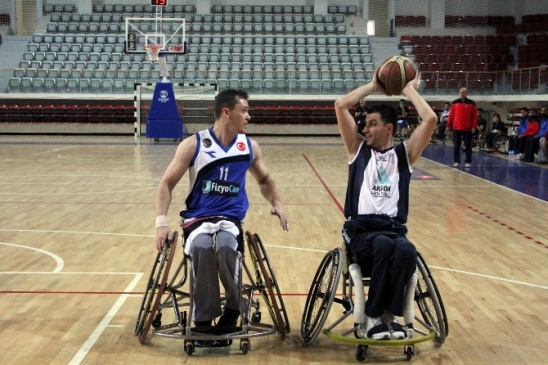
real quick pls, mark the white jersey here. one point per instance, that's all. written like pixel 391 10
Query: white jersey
pixel 378 183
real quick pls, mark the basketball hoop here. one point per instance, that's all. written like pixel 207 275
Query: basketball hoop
pixel 153 50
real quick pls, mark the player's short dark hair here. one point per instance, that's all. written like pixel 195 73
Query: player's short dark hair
pixel 388 114
pixel 228 98
pixel 480 109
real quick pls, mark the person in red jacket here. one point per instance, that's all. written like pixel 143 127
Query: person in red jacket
pixel 463 119
pixel 532 129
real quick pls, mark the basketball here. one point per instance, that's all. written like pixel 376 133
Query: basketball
pixel 395 73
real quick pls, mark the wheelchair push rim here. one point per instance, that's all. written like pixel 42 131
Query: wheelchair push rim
pixel 429 302
pixel 155 289
pixel 267 285
pixel 318 301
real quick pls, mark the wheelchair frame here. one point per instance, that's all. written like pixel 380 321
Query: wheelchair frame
pixel 500 144
pixel 322 294
pixel 261 279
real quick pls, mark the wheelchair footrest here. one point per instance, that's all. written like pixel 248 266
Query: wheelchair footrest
pixel 213 343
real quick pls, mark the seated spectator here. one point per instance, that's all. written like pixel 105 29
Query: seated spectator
pixel 359 115
pixel 532 145
pixel 513 139
pixel 443 121
pixel 543 149
pixel 482 125
pixel 403 120
pixel 533 127
pixel 497 128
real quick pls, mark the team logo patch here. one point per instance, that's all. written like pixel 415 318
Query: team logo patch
pixel 206 142
pixel 240 146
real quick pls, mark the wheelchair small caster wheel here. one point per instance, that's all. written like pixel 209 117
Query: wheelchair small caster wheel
pixel 245 346
pixel 189 347
pixel 256 317
pixel 409 351
pixel 361 353
pixel 157 322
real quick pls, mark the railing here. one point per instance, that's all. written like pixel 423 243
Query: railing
pixel 529 81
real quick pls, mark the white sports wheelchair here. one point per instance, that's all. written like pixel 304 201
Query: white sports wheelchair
pixel 421 289
pixel 165 293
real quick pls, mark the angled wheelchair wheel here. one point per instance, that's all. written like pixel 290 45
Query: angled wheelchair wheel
pixel 321 295
pixel 500 143
pixel 428 299
pixel 155 289
pixel 267 284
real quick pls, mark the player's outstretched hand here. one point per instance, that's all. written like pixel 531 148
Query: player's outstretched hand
pixel 280 212
pixel 414 84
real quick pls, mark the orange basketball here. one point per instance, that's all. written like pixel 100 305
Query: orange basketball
pixel 395 73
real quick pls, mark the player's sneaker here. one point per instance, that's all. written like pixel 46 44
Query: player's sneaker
pixel 377 329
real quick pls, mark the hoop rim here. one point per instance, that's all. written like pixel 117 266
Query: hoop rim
pixel 153 51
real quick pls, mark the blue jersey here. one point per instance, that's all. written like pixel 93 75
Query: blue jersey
pixel 217 177
pixel 378 183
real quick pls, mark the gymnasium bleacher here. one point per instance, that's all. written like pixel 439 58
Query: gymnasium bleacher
pixel 292 50
pixel 269 50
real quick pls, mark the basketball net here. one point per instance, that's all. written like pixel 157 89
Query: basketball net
pixel 153 50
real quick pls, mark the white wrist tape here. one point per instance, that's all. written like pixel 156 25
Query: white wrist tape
pixel 161 221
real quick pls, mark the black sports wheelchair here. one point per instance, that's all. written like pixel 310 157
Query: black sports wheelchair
pixel 165 293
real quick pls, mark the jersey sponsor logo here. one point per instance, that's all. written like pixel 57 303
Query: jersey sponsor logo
pixel 240 146
pixel 381 191
pixel 382 188
pixel 222 188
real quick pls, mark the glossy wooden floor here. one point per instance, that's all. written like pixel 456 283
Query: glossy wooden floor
pixel 76 246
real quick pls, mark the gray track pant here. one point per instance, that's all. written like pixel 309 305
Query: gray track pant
pixel 213 257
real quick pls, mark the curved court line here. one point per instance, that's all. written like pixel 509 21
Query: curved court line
pixel 59 261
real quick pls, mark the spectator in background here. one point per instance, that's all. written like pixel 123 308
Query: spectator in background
pixel 533 126
pixel 513 139
pixel 543 149
pixel 360 114
pixel 443 121
pixel 403 121
pixel 497 128
pixel 532 144
pixel 463 119
pixel 482 124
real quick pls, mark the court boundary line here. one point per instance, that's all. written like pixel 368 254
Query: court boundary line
pixel 105 322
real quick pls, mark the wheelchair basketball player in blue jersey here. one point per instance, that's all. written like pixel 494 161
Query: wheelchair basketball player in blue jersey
pixel 217 160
